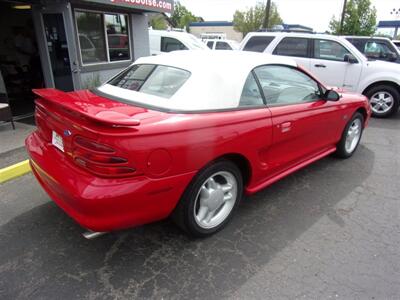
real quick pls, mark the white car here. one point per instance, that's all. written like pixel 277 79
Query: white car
pixel 214 44
pixel 162 41
pixel 336 62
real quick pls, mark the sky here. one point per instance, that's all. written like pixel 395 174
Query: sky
pixel 312 13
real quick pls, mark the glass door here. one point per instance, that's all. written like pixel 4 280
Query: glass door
pixel 57 47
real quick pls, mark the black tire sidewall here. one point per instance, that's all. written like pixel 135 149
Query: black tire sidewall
pixel 341 147
pixel 388 89
pixel 189 197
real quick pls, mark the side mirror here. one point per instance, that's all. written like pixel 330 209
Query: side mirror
pixel 331 95
pixel 350 58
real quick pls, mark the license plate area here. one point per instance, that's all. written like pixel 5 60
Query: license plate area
pixel 57 141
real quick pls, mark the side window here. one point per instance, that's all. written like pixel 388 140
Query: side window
pixel 258 43
pixel 377 50
pixel 283 85
pixel 329 50
pixel 223 46
pixel 210 44
pixel 251 94
pixel 290 46
pixel 170 44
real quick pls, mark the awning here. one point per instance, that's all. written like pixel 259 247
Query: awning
pixel 165 6
pixel 389 24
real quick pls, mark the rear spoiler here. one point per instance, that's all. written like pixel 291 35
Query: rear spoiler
pixel 107 117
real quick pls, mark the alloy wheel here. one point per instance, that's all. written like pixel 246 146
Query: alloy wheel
pixel 381 102
pixel 353 135
pixel 215 199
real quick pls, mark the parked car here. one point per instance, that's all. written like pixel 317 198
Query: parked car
pixel 118 45
pixel 379 48
pixel 213 36
pixel 162 41
pixel 336 62
pixel 222 44
pixel 184 135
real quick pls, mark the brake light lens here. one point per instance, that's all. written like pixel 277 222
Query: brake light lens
pixel 100 159
pixel 108 171
pixel 92 145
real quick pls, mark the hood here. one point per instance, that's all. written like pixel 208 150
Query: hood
pixel 382 66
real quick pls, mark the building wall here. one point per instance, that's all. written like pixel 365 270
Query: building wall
pixel 231 33
pixel 90 75
pixel 95 78
pixel 140 35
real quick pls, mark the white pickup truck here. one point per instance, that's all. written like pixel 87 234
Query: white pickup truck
pixel 336 62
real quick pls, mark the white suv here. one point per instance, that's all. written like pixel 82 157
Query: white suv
pixel 336 62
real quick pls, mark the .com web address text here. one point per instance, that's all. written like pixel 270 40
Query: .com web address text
pixel 164 5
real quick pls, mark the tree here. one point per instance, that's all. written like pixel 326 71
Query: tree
pixel 181 16
pixel 158 22
pixel 252 19
pixel 359 19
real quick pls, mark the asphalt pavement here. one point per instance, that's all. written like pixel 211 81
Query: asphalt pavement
pixel 329 231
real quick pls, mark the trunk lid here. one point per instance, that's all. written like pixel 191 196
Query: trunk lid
pixel 90 128
pixel 83 112
pixel 91 107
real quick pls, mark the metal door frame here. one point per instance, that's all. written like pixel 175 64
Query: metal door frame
pixel 66 11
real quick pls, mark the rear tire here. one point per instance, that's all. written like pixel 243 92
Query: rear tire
pixel 351 136
pixel 210 200
pixel 384 100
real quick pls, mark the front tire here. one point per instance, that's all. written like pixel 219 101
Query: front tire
pixel 351 136
pixel 384 100
pixel 210 199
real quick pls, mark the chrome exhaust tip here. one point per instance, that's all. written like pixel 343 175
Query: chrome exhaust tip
pixel 90 235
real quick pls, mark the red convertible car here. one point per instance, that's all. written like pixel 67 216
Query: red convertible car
pixel 185 134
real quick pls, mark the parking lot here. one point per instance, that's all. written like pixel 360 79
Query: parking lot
pixel 331 230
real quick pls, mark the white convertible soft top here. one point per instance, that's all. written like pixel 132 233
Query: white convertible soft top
pixel 216 81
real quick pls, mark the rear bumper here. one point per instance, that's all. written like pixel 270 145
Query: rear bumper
pixel 102 204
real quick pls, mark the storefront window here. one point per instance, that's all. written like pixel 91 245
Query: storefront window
pixel 91 37
pixel 117 35
pixel 92 29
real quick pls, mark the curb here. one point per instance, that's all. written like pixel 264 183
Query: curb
pixel 14 171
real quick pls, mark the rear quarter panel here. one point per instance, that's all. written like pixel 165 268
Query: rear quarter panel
pixel 184 143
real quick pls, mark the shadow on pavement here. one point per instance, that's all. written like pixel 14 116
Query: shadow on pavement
pixel 392 122
pixel 44 256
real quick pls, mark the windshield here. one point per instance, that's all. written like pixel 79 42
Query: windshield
pixel 157 80
pixel 196 43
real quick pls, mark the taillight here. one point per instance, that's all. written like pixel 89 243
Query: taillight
pixel 100 159
pixel 92 145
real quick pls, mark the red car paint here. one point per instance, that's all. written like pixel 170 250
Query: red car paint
pixel 166 150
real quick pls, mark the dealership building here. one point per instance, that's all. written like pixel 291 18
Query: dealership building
pixel 69 44
pixel 215 29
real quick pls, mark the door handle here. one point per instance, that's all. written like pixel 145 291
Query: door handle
pixel 285 127
pixel 320 66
